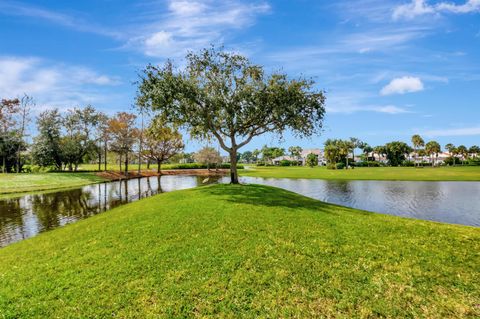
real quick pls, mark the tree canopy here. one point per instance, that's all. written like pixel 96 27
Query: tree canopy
pixel 223 95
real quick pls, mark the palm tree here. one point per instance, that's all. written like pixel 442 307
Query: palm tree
pixel 452 150
pixel 379 150
pixel 355 143
pixel 346 148
pixel 367 149
pixel 474 150
pixel 433 148
pixel 417 142
pixel 463 151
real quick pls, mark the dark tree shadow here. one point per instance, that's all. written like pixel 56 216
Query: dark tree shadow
pixel 268 196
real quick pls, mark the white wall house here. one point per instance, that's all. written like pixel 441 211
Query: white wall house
pixel 320 153
pixel 303 157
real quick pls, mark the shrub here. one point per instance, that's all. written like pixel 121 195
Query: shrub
pixel 331 166
pixel 260 164
pixel 285 163
pixel 340 166
pixel 407 163
pixel 201 166
pixel 473 162
pixel 368 164
pixel 451 160
pixel 312 160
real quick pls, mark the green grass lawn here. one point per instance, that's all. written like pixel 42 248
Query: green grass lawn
pixel 466 173
pixel 17 183
pixel 243 251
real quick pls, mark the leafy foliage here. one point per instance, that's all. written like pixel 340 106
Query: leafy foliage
pixel 223 95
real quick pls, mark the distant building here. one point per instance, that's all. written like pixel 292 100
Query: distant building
pixel 278 160
pixel 320 154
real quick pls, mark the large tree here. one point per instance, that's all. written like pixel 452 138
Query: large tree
pixel 9 108
pixel 225 96
pixel 80 125
pixel 396 152
pixel 46 150
pixel 161 142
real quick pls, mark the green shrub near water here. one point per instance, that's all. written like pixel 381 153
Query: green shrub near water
pixel 340 166
pixel 199 166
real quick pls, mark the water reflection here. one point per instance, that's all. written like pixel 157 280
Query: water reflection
pixel 451 202
pixel 29 215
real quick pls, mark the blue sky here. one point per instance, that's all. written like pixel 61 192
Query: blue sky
pixel 390 68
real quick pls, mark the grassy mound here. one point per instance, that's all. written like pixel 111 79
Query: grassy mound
pixel 243 251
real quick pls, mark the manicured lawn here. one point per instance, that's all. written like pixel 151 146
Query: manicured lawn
pixel 16 183
pixel 243 251
pixel 467 173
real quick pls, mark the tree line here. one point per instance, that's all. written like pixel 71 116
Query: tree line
pixel 81 135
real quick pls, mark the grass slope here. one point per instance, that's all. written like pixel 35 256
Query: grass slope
pixel 458 173
pixel 17 183
pixel 243 251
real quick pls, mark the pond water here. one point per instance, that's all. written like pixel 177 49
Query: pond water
pixel 450 202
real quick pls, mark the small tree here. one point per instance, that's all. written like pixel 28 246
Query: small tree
pixel 247 157
pixel 161 142
pixel 312 160
pixel 208 156
pixel 223 95
pixel 295 151
pixel 123 134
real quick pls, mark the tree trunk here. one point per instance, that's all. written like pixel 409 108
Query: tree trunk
pixel 126 164
pixel 148 163
pixel 3 164
pixel 105 155
pixel 100 157
pixel 233 167
pixel 159 167
pixel 120 161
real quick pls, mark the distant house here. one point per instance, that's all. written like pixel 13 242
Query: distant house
pixel 278 160
pixel 440 159
pixel 320 154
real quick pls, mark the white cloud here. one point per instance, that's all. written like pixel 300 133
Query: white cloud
pixel 467 7
pixel 412 10
pixel 467 131
pixel 192 25
pixel 406 84
pixel 417 8
pixel 49 83
pixel 349 109
pixel 26 10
